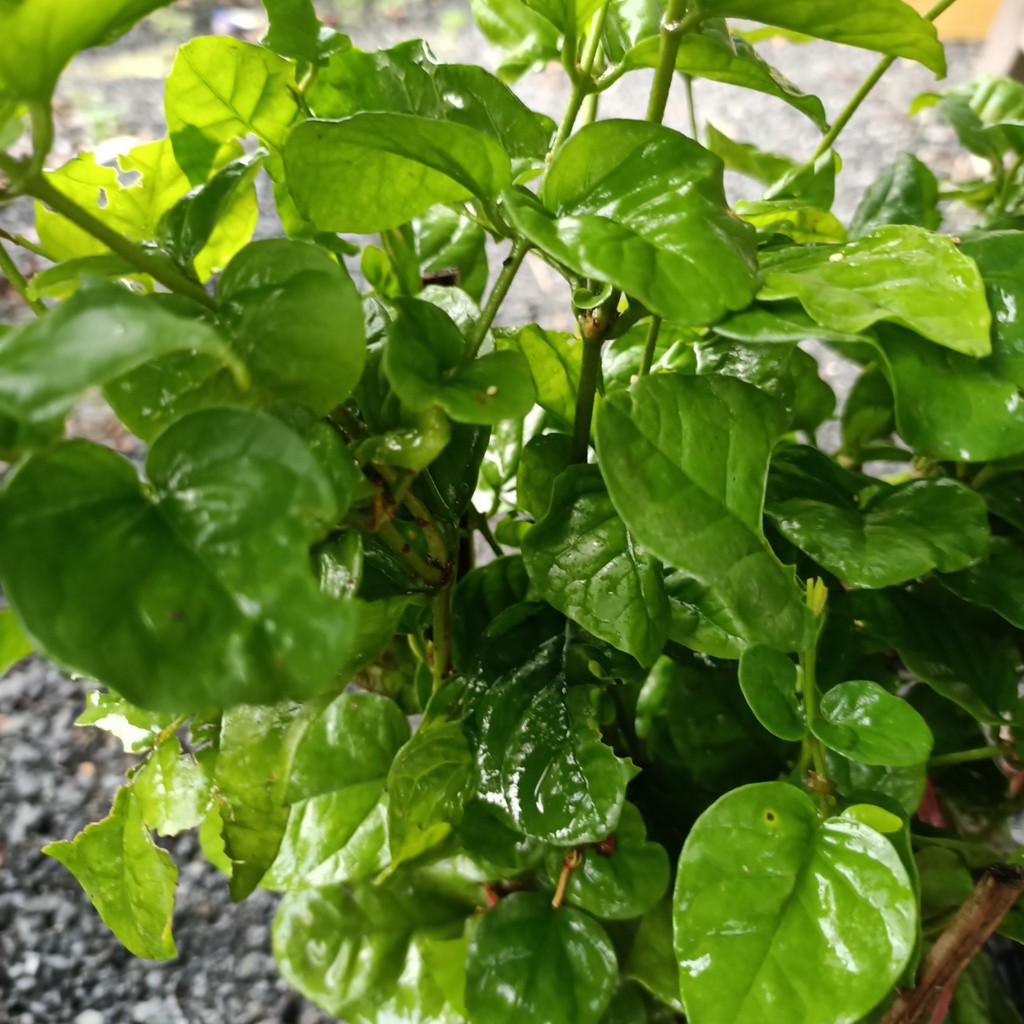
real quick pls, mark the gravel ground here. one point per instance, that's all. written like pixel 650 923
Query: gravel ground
pixel 58 963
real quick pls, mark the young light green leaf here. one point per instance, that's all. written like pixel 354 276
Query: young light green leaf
pixel 651 960
pixel 361 952
pixel 555 358
pixel 907 193
pixel 684 459
pixel 899 273
pixel 864 722
pixel 136 728
pixel 623 879
pixel 746 158
pixel 769 683
pixel 221 89
pixel 762 886
pixel 582 560
pixel 171 789
pixel 513 26
pixel 544 458
pixel 337 829
pixel 128 878
pixel 200 584
pixel 334 168
pixel 797 219
pixel 14 645
pixel 888 26
pixel 296 32
pixel 531 960
pixel 642 208
pixel 720 56
pixel 103 331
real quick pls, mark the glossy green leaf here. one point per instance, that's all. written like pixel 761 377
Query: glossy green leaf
pixel 362 953
pixel 406 79
pixel 334 169
pixel 541 761
pixel 14 645
pixel 220 89
pixel 136 728
pixel 511 25
pixel 769 683
pixel 534 961
pixel 745 158
pixel 101 332
pixel 864 722
pixel 855 780
pixel 479 599
pixel 907 193
pixel 171 789
pixel 684 459
pixel 761 886
pixel 544 459
pixel 652 960
pixel 444 239
pixel 997 582
pixel 39 38
pixel 250 779
pixel 200 584
pixel 621 881
pixel 423 360
pixel 898 273
pixel 886 537
pixel 796 219
pixel 642 207
pixel 296 32
pixel 128 878
pixel 779 323
pixel 813 183
pixel 582 560
pixel 429 782
pixel 554 358
pixel 699 619
pixel 868 413
pixel 888 26
pixel 720 56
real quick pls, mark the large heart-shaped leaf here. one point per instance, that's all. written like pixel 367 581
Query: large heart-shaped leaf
pixel 642 207
pixel 685 460
pixel 898 273
pixel 764 888
pixel 888 26
pixel 129 879
pixel 530 960
pixel 582 560
pixel 334 169
pixel 203 591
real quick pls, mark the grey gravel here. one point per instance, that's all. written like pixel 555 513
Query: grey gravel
pixel 58 962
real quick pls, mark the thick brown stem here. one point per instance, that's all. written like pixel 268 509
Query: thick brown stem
pixel 997 890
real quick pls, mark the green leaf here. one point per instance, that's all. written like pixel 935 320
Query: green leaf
pixel 337 828
pixel 296 32
pixel 623 882
pixel 429 782
pixel 39 38
pixel 985 113
pixel 864 722
pixel 762 886
pixel 171 789
pixel 855 780
pixel 444 239
pixel 651 960
pixel 513 26
pixel 101 332
pixel 907 193
pixel 128 878
pixel 334 169
pixel 642 208
pixel 684 459
pixel 996 582
pixel 777 324
pixel 136 728
pixel 406 79
pixel 424 362
pixel 882 535
pixel 745 158
pixel 220 89
pixel 554 358
pixel 769 683
pixel 250 778
pixel 887 26
pixel 200 585
pixel 582 560
pixel 868 413
pixel 797 219
pixel 899 273
pixel 363 953
pixel 14 645
pixel 541 761
pixel 699 619
pixel 720 56
pixel 479 599
pixel 529 960
pixel 544 458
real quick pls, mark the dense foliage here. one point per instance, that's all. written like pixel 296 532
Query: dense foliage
pixel 728 720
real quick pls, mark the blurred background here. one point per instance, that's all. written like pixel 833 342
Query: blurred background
pixel 58 962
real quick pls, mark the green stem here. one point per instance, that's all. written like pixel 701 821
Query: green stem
pixel 650 345
pixel 816 597
pixel 582 81
pixel 691 106
pixel 18 282
pixel 442 636
pixel 589 371
pixel 508 272
pixel 436 547
pixel 966 756
pixel 675 24
pixel 432 575
pixel 128 250
pixel 22 242
pixel 829 139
